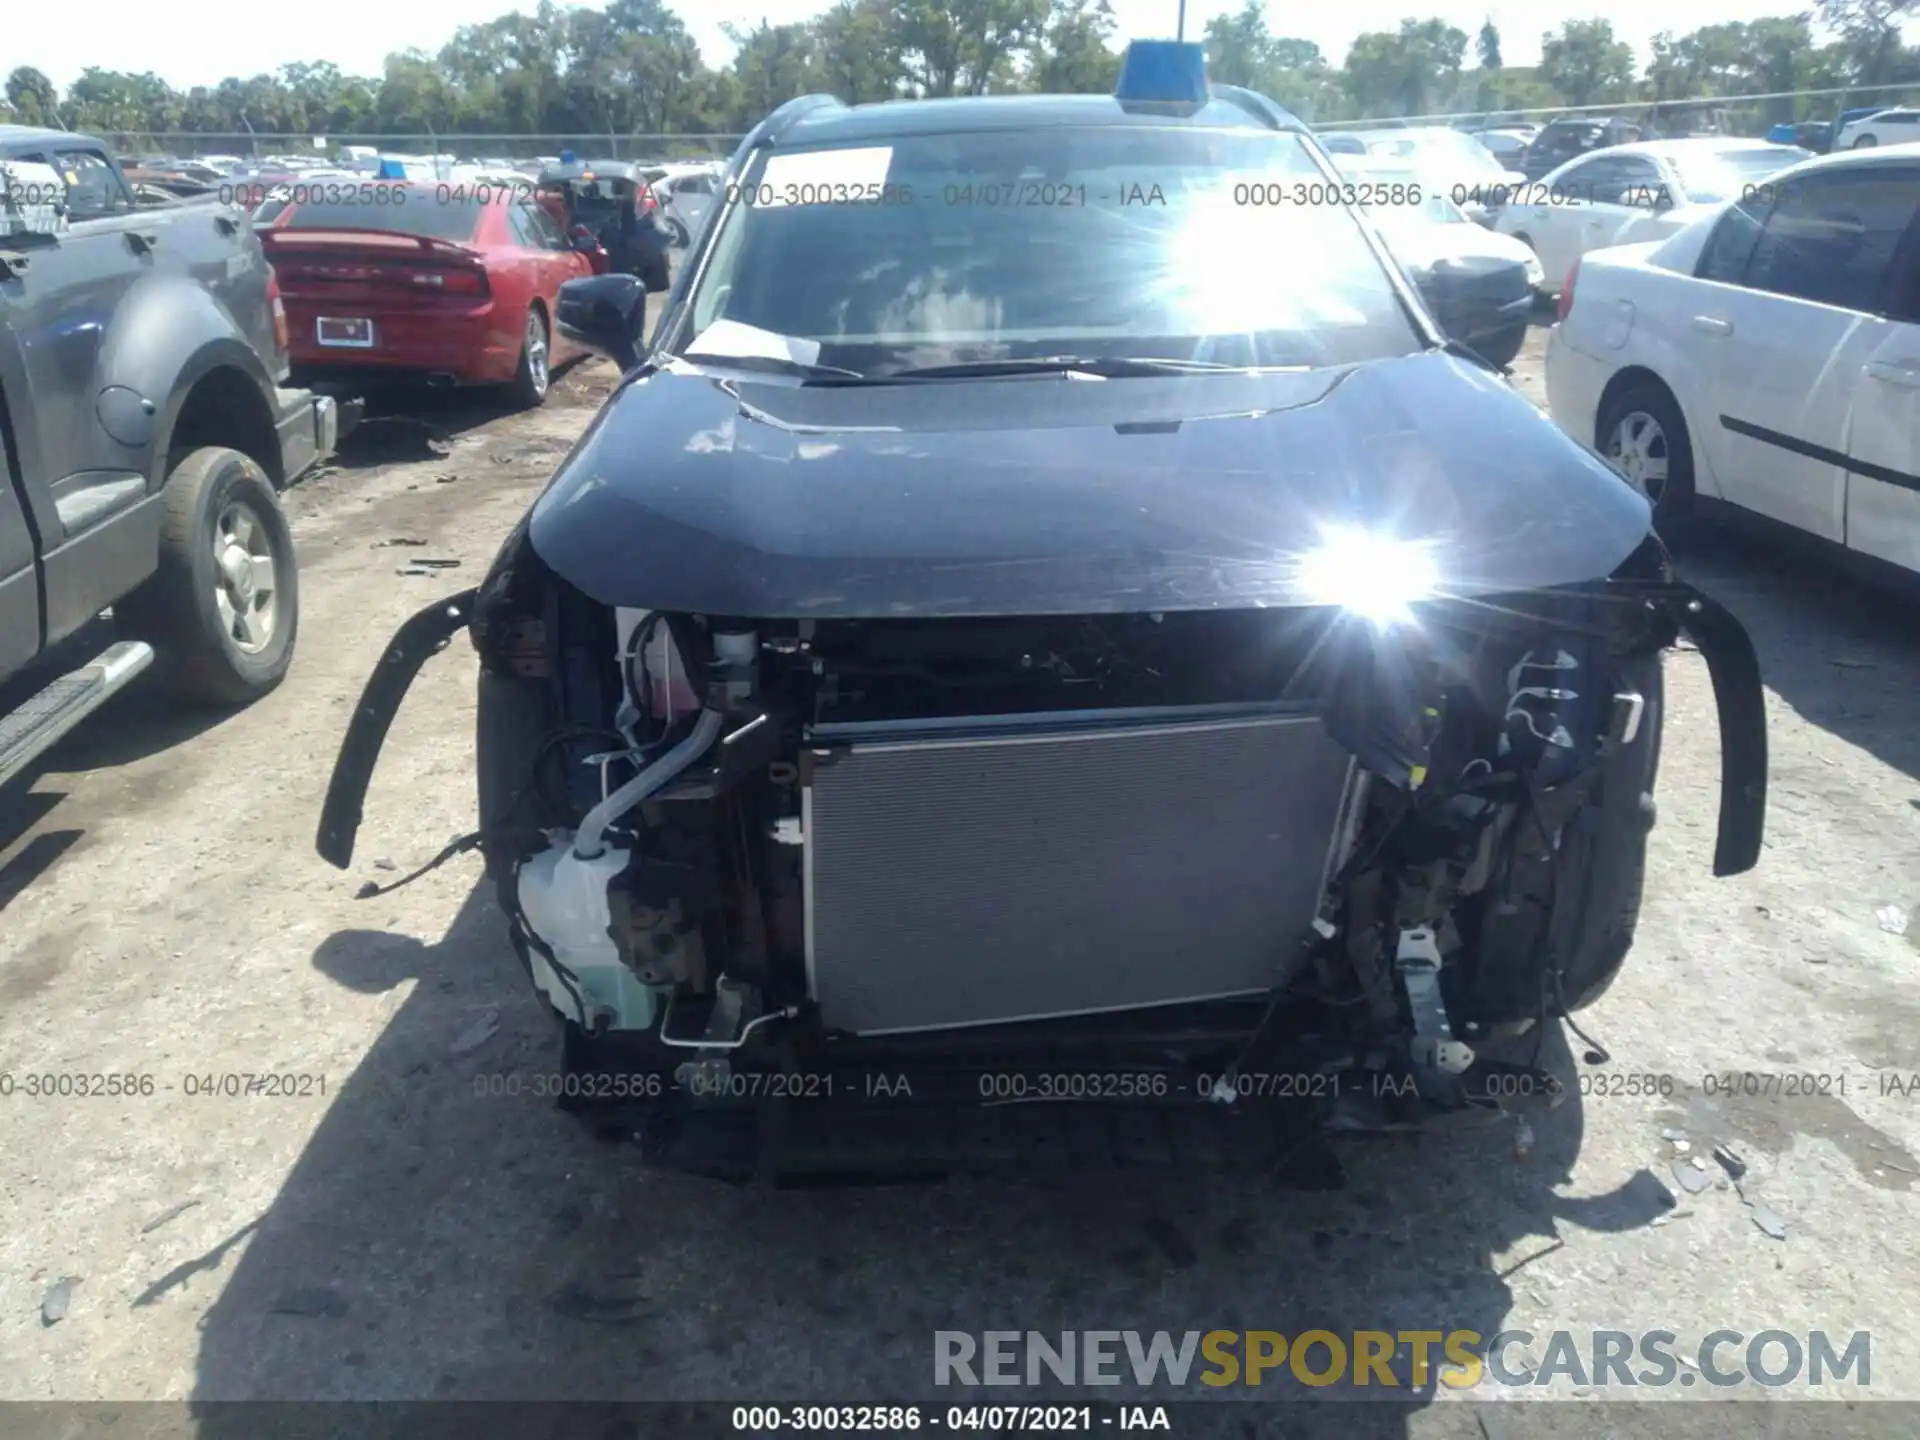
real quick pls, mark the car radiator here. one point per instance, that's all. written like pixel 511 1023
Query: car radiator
pixel 1044 866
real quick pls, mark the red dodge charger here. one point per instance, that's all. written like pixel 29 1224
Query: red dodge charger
pixel 453 284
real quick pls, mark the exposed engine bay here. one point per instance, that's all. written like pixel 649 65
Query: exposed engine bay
pixel 1201 842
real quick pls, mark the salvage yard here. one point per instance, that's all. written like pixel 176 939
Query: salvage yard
pixel 388 1230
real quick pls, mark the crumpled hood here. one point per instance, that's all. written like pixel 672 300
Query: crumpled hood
pixel 1030 496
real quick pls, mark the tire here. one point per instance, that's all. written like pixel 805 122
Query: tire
pixel 1642 431
pixel 678 232
pixel 533 381
pixel 1503 348
pixel 1866 142
pixel 223 636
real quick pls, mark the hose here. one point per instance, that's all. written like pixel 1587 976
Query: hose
pixel 589 841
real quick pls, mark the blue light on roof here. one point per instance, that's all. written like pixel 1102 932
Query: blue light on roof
pixel 566 157
pixel 391 170
pixel 1166 71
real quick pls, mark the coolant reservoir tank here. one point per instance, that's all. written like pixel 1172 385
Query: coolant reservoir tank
pixel 736 655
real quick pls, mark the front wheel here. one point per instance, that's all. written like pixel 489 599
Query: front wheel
pixel 677 234
pixel 534 378
pixel 223 606
pixel 1642 431
pixel 1865 142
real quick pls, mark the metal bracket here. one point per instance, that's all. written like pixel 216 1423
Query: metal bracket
pixel 1417 964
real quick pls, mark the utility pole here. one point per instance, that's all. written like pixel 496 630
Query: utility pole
pixel 1180 30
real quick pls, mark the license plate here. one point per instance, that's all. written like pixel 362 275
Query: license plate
pixel 349 334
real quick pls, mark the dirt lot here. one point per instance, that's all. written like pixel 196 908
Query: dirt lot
pixel 401 1236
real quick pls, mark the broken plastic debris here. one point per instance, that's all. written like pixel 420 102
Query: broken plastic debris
pixel 1892 919
pixel 1767 1219
pixel 393 540
pixel 1693 1179
pixel 1729 1161
pixel 59 1296
pixel 478 1033
pixel 311 1301
pixel 172 1212
pixel 1677 1136
pixel 1522 1141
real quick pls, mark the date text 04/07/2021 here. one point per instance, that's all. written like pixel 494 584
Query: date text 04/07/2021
pixel 961 1419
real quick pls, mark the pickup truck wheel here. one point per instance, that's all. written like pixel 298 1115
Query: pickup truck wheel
pixel 223 607
pixel 532 381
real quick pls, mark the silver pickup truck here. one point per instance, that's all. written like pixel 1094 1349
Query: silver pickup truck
pixel 146 437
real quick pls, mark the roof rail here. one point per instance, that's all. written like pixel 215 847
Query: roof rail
pixel 1260 107
pixel 782 119
pixel 769 130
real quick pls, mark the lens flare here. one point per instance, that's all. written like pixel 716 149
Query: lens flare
pixel 1376 577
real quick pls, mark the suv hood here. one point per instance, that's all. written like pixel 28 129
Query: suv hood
pixel 713 494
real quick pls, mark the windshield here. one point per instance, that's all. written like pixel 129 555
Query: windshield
pixel 1726 174
pixel 1117 242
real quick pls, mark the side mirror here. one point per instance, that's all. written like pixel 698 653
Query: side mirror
pixel 605 313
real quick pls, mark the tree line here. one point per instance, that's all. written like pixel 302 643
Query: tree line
pixel 632 69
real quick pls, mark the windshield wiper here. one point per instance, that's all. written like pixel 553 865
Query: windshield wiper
pixel 1105 366
pixel 776 365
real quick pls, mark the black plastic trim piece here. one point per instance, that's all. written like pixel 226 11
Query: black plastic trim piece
pixel 413 644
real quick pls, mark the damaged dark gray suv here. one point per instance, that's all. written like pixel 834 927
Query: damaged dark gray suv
pixel 1036 625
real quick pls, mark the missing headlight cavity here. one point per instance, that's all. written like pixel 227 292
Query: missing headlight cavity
pixel 1192 839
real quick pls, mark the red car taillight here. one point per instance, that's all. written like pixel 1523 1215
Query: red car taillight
pixel 281 335
pixel 1566 292
pixel 463 281
pixel 643 201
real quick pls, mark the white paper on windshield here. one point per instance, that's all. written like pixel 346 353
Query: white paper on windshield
pixel 731 340
pixel 824 177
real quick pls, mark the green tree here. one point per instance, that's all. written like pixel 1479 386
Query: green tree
pixel 1869 32
pixel 961 47
pixel 1488 45
pixel 1585 63
pixel 773 63
pixel 1399 73
pixel 32 97
pixel 858 51
pixel 1074 57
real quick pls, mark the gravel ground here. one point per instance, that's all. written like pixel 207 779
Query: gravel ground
pixel 401 1236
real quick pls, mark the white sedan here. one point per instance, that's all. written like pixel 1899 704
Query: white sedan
pixel 1766 357
pixel 1586 203
pixel 1897 126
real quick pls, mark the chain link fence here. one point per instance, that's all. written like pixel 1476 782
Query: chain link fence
pixel 463 149
pixel 1743 115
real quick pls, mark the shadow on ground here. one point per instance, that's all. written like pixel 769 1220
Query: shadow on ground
pixel 437 1240
pixel 1842 651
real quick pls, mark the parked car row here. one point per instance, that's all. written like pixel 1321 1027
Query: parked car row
pixel 1765 358
pixel 450 283
pixel 1636 191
